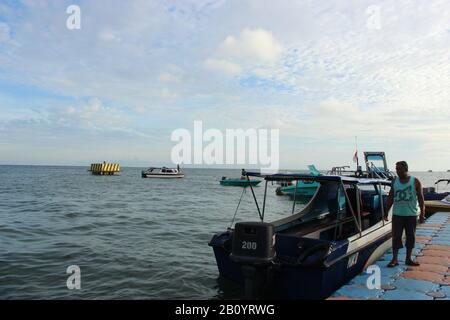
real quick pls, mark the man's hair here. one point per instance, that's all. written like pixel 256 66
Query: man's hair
pixel 403 164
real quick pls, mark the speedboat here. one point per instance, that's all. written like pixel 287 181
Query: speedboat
pixel 239 182
pixel 312 252
pixel 163 173
pixel 432 193
pixel 300 188
pixel 433 206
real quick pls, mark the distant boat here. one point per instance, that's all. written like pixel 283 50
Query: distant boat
pixel 434 206
pixel 301 188
pixel 448 170
pixel 430 170
pixel 432 193
pixel 163 173
pixel 239 182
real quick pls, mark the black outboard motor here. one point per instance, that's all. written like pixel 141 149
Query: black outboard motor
pixel 253 248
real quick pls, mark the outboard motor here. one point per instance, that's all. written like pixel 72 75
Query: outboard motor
pixel 253 248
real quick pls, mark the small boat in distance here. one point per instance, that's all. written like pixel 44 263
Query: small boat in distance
pixel 163 173
pixel 430 170
pixel 239 182
pixel 243 181
pixel 433 206
pixel 301 188
pixel 432 193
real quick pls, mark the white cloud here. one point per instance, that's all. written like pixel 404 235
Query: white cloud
pixel 168 77
pixel 252 44
pixel 108 35
pixel 168 94
pixel 250 52
pixel 224 66
pixel 4 32
pixel 172 74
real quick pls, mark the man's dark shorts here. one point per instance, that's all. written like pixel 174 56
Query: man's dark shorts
pixel 400 223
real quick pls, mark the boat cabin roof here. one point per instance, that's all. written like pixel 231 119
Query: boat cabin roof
pixel 324 178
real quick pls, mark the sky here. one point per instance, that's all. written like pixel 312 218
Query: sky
pixel 322 72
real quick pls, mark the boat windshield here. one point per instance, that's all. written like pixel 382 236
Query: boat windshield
pixel 329 200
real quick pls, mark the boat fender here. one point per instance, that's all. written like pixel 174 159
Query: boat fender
pixel 313 256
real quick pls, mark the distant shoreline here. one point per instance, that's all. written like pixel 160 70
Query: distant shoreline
pixel 196 168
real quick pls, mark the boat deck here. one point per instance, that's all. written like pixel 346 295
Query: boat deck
pixel 429 281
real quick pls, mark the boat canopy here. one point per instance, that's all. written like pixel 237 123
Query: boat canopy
pixel 323 178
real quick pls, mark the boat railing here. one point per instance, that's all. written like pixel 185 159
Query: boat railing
pixel 439 181
pixel 378 173
pixel 338 170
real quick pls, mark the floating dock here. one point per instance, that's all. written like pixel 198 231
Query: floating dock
pixel 429 281
pixel 105 169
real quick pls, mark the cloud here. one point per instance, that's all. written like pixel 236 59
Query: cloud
pixel 108 35
pixel 249 52
pixel 172 74
pixel 168 77
pixel 224 66
pixel 4 32
pixel 252 44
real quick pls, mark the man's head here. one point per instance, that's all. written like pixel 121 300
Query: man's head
pixel 402 169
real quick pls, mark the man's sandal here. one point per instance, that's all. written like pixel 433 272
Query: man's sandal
pixel 392 264
pixel 412 263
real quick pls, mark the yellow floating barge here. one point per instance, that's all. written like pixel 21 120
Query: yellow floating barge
pixel 105 169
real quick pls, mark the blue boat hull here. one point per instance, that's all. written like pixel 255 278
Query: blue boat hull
pixel 435 196
pixel 297 282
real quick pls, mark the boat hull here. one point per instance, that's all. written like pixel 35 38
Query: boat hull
pixel 302 189
pixel 309 191
pixel 309 283
pixel 435 196
pixel 436 206
pixel 239 183
pixel 162 176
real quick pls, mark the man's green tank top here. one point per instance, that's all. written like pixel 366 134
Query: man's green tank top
pixel 405 198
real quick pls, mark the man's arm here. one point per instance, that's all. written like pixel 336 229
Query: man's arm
pixel 421 200
pixel 390 202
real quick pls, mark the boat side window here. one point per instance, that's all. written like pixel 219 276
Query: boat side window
pixel 371 204
pixel 345 225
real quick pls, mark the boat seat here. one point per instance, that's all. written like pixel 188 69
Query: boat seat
pixel 364 210
pixel 351 193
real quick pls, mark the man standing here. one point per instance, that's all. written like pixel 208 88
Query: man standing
pixel 406 195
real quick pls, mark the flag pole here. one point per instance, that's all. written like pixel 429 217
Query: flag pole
pixel 357 158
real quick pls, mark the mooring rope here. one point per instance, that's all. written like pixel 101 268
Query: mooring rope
pixel 237 208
